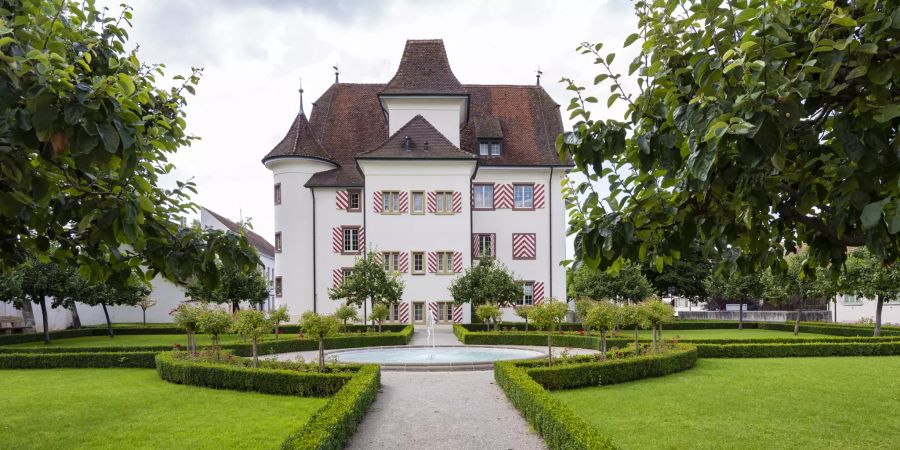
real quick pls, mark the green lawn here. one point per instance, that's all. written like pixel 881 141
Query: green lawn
pixel 750 333
pixel 132 340
pixel 134 408
pixel 835 403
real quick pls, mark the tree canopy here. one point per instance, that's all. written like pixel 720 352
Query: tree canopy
pixel 487 282
pixel 628 284
pixel 86 133
pixel 368 281
pixel 756 127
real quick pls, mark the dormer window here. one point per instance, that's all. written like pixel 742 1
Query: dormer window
pixel 489 147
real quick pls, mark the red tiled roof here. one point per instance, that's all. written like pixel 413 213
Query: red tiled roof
pixel 260 243
pixel 299 141
pixel 425 142
pixel 424 69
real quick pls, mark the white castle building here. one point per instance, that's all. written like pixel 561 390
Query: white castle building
pixel 428 172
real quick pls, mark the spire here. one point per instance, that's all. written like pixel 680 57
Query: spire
pixel 539 73
pixel 301 95
pixel 337 73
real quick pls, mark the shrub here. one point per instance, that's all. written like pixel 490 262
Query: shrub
pixel 379 314
pixel 252 324
pixel 77 360
pixel 277 316
pixel 346 313
pixel 547 316
pixel 213 321
pixel 187 316
pixel 332 426
pixel 795 349
pixel 489 314
pixel 319 327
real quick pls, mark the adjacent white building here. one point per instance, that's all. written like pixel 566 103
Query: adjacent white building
pixel 429 173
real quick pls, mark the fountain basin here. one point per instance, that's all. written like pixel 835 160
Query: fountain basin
pixel 427 358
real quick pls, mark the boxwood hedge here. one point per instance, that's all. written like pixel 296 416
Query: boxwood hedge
pixel 122 359
pixel 794 349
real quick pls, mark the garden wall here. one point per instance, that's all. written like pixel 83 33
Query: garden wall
pixel 756 316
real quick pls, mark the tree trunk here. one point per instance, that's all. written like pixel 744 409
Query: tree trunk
pixel 321 354
pixel 76 320
pixel 276 330
pixel 549 347
pixel 637 345
pixel 27 313
pixel 602 344
pixel 835 309
pixel 379 326
pixel 108 322
pixel 799 313
pixel 740 316
pixel 659 333
pixel 144 314
pixel 255 355
pixel 235 307
pixel 526 324
pixel 44 319
pixel 879 303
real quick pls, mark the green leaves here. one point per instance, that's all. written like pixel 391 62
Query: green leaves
pixel 630 39
pixel 871 214
pixel 746 15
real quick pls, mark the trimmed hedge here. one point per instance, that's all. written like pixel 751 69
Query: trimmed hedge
pixel 614 371
pixel 264 380
pixel 795 349
pixel 560 427
pixel 144 360
pixel 332 426
pixel 828 328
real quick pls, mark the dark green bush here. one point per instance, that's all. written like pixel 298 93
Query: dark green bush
pixel 560 427
pixel 613 371
pixel 266 381
pixel 110 349
pixel 124 359
pixel 332 426
pixel 9 339
pixel 795 349
pixel 829 328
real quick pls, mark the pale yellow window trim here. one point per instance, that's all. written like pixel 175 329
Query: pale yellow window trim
pixel 412 202
pixel 412 263
pixel 384 203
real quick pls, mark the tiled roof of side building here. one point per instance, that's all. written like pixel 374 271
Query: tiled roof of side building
pixel 424 69
pixel 299 141
pixel 425 142
pixel 260 243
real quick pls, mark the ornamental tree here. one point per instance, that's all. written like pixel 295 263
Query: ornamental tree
pixel 523 312
pixel 582 306
pixel 346 313
pixel 548 316
pixel 756 127
pixel 637 316
pixel 145 304
pixel 658 313
pixel 683 278
pixel 78 289
pixel 320 327
pixel 379 314
pixel 34 282
pixel 603 317
pixel 628 284
pixel 214 322
pixel 86 133
pixel 252 324
pixel 489 314
pixel 488 282
pixel 187 317
pixel 368 281
pixel 871 278
pixel 277 316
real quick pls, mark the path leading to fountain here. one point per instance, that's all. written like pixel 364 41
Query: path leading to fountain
pixel 442 410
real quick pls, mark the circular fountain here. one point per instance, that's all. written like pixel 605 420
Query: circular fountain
pixel 469 357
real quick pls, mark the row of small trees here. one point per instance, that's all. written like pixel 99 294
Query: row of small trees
pixel 605 316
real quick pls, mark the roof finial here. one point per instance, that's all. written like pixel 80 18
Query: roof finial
pixel 539 73
pixel 301 95
pixel 337 73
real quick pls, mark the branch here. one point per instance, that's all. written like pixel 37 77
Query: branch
pixel 791 214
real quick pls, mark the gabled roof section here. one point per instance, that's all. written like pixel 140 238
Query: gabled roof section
pixel 260 243
pixel 424 69
pixel 300 142
pixel 488 127
pixel 425 142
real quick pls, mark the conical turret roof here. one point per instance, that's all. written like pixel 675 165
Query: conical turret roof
pixel 300 142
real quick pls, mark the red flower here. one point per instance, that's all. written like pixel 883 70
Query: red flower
pixel 177 346
pixel 301 336
pixel 581 332
pixel 560 333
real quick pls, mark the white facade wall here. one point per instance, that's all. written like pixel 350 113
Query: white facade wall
pixel 444 113
pixel 850 309
pixel 329 216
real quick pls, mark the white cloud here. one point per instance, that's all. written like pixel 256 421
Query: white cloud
pixel 254 52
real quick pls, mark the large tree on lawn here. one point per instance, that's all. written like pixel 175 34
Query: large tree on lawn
pixel 626 285
pixel 867 276
pixel 487 283
pixel 755 127
pixel 86 133
pixel 36 282
pixel 683 278
pixel 368 281
pixel 78 289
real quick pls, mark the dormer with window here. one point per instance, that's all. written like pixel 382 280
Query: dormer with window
pixel 490 136
pixel 490 147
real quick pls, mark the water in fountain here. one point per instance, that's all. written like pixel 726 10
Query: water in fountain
pixel 430 338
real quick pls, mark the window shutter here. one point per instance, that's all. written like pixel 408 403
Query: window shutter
pixel 432 262
pixel 362 240
pixel 457 202
pixel 538 292
pixel 457 262
pixel 379 258
pixel 341 199
pixel 404 202
pixel 524 245
pixel 432 202
pixel 475 247
pixel 404 262
pixel 377 202
pixel 538 196
pixel 337 239
pixel 503 196
pixel 457 313
pixel 337 277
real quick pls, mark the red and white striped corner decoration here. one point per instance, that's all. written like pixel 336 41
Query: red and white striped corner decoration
pixel 432 309
pixel 404 262
pixel 432 262
pixel 362 240
pixel 457 262
pixel 432 202
pixel 475 246
pixel 341 199
pixel 503 196
pixel 337 239
pixel 457 313
pixel 404 202
pixel 457 202
pixel 538 292
pixel 524 245
pixel 404 312
pixel 538 196
pixel 379 258
pixel 377 202
pixel 337 277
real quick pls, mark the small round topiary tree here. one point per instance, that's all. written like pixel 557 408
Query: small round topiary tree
pixel 489 314
pixel 582 305
pixel 347 313
pixel 602 317
pixel 548 316
pixel 523 311
pixel 658 313
pixel 185 317
pixel 320 327
pixel 254 325
pixel 379 314
pixel 214 321
pixel 277 316
pixel 637 316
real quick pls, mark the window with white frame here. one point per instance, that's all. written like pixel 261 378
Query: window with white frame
pixel 391 261
pixel 444 201
pixel 391 203
pixel 418 202
pixel 393 312
pixel 485 245
pixel 489 147
pixel 524 196
pixel 484 196
pixel 351 240
pixel 418 262
pixel 445 262
pixel 353 200
pixel 528 293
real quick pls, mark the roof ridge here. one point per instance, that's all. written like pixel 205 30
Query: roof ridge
pixel 432 128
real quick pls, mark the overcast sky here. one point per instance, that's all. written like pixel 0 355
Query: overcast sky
pixel 254 53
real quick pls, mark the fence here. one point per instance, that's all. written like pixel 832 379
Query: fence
pixel 757 316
